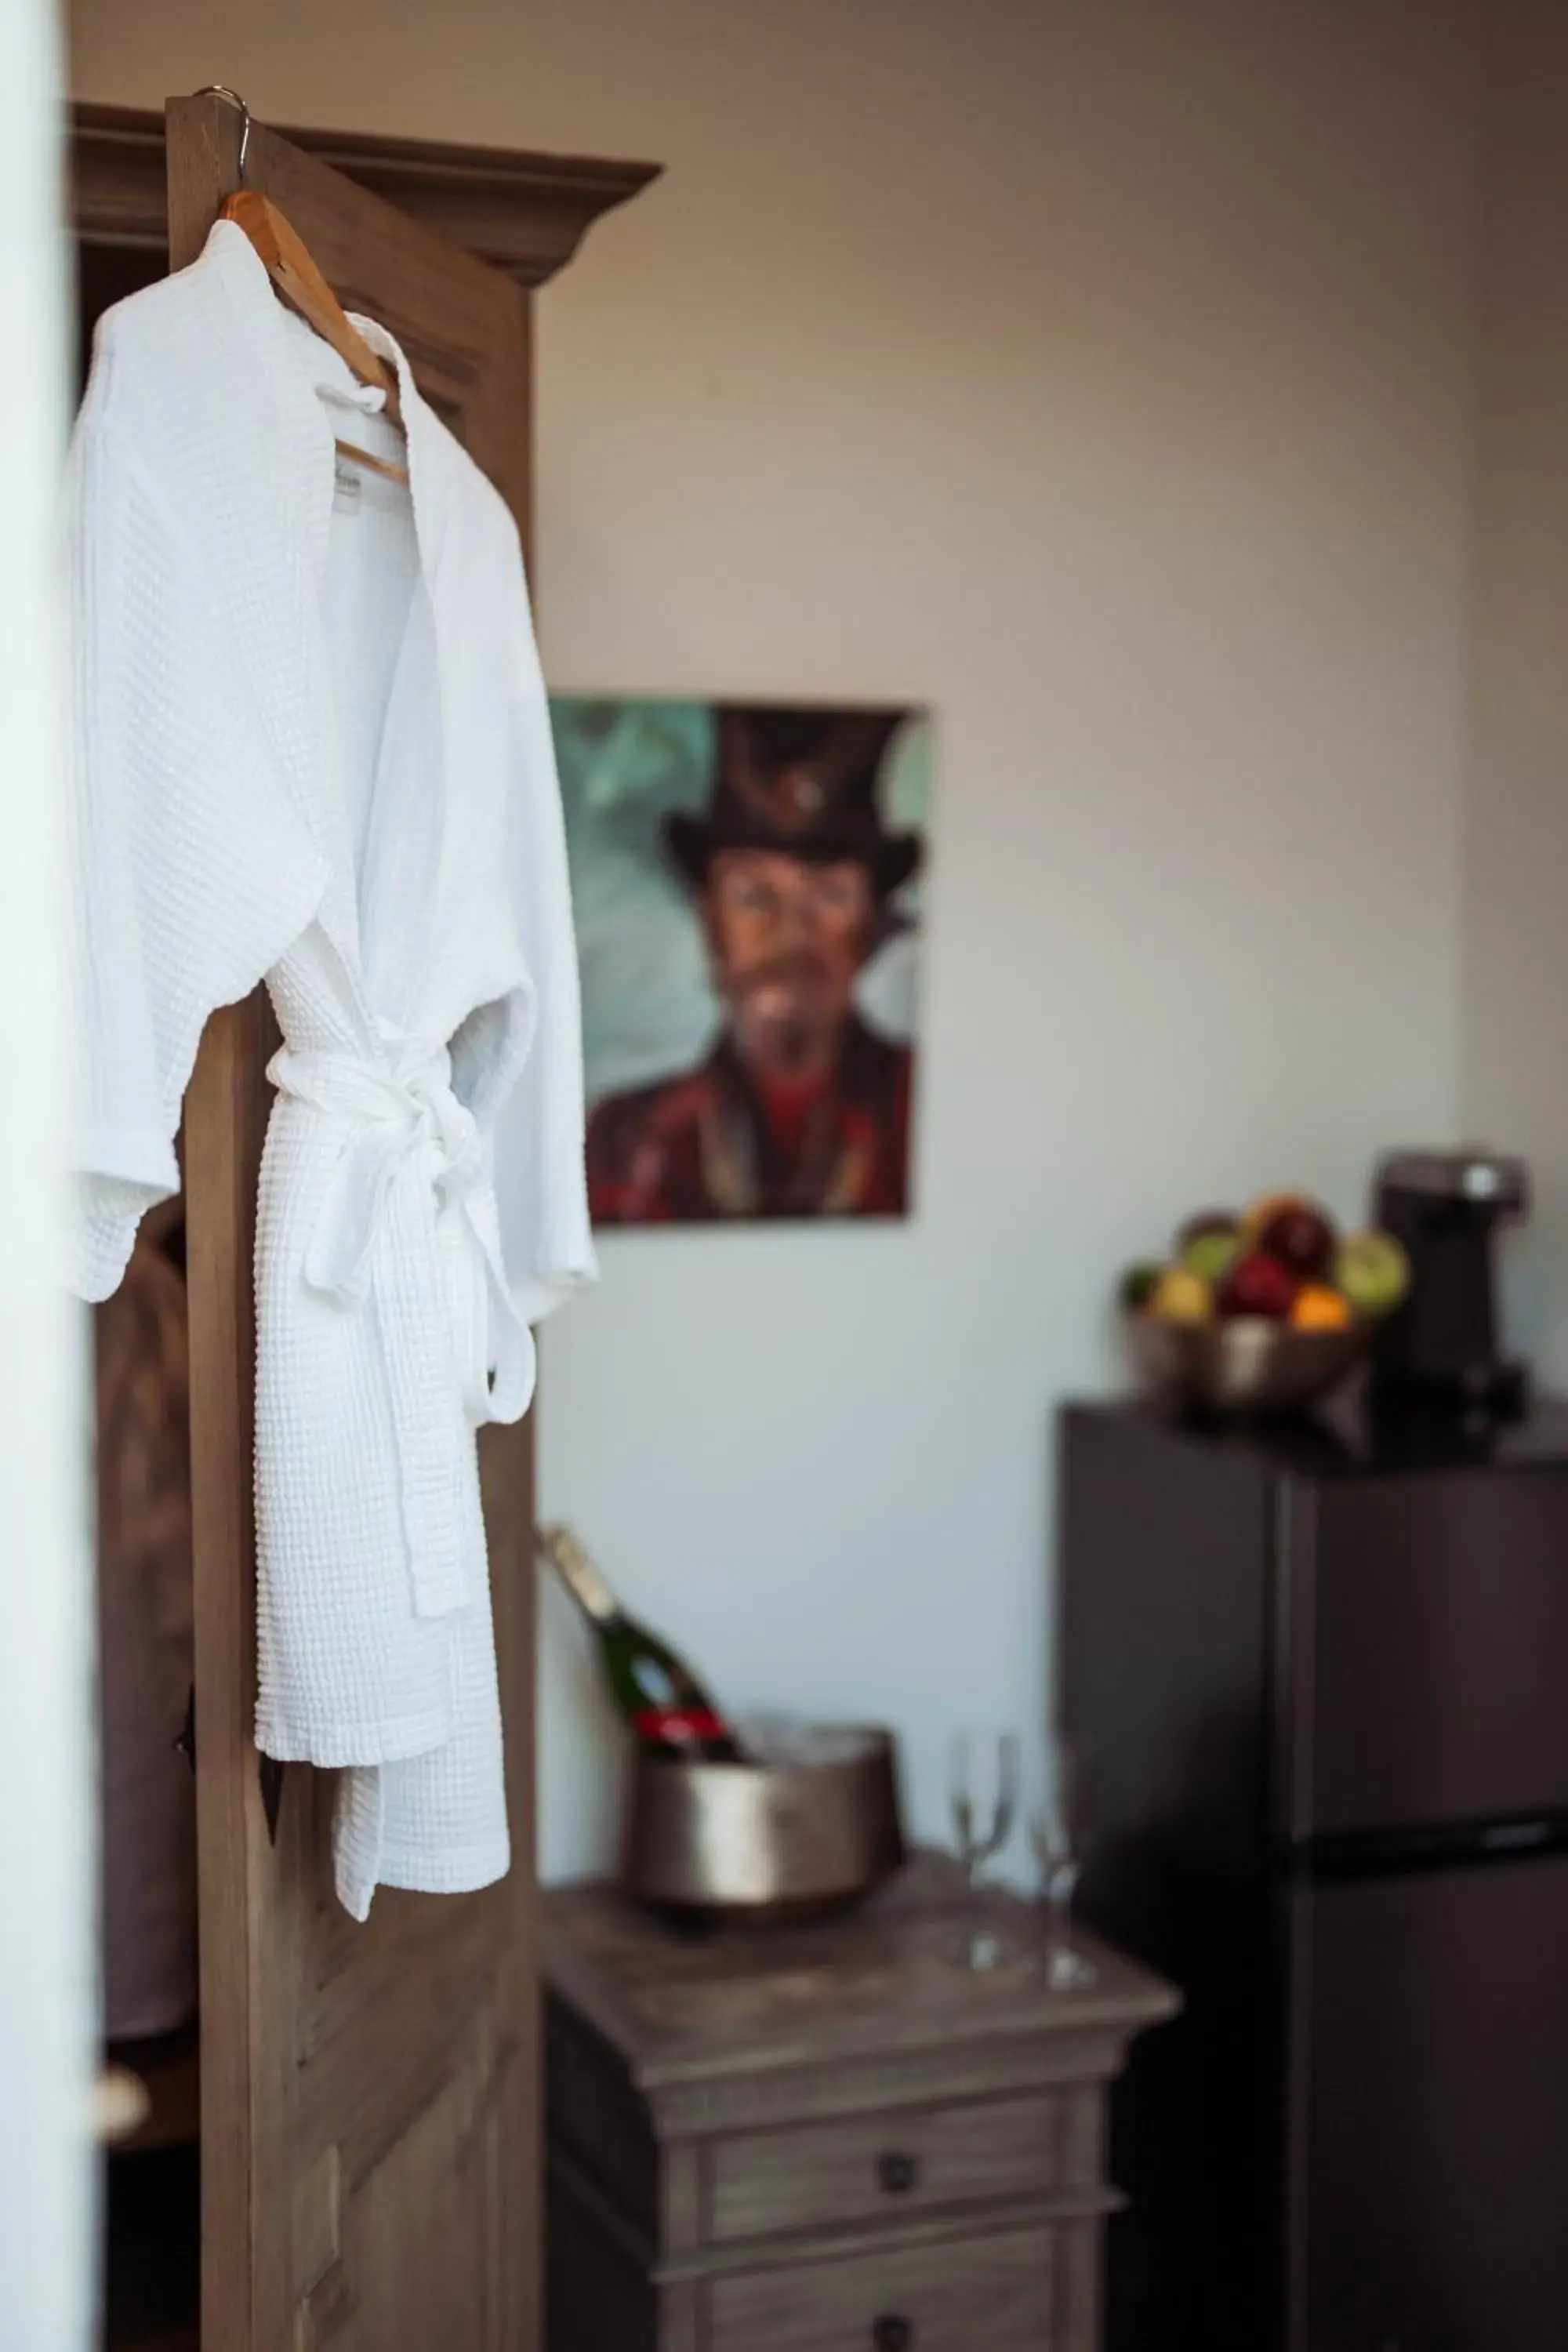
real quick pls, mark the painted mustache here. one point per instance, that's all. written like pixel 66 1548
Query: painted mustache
pixel 795 975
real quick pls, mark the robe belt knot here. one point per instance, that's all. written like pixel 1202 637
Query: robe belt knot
pixel 408 1219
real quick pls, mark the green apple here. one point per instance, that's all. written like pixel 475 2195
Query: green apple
pixel 1373 1272
pixel 1209 1246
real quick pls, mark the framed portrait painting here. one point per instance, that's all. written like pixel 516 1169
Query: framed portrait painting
pixel 748 880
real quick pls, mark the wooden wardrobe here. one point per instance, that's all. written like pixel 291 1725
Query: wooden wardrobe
pixel 345 2146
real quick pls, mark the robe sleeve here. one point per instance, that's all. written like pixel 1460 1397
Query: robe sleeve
pixel 187 879
pixel 541 1181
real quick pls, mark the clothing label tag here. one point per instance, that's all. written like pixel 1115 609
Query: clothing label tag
pixel 346 486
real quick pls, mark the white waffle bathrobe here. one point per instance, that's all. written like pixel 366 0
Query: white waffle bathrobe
pixel 301 765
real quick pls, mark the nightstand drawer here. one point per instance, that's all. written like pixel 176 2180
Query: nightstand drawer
pixel 949 2296
pixel 883 2168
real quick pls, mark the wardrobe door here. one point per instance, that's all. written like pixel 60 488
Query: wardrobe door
pixel 369 2126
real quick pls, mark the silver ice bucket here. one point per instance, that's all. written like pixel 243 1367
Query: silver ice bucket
pixel 811 1822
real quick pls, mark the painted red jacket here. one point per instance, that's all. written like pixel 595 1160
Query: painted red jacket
pixel 709 1145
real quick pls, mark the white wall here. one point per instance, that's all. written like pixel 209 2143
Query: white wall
pixel 1101 372
pixel 1515 1085
pixel 48 2004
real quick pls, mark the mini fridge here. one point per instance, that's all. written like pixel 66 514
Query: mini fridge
pixel 1319 1679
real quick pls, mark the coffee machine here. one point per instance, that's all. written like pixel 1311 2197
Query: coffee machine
pixel 1441 1353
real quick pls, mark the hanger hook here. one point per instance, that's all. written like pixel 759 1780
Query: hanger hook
pixel 221 89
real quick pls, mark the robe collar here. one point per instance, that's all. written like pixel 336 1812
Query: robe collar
pixel 282 453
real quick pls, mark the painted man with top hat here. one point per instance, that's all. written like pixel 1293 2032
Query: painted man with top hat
pixel 802 1108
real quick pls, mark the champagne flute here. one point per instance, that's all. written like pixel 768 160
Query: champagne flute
pixel 1057 1828
pixel 984 1788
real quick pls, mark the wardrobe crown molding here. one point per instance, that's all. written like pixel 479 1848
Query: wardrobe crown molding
pixel 526 214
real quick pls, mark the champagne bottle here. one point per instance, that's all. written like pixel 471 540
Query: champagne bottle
pixel 653 1690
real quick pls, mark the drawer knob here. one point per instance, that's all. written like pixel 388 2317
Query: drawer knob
pixel 899 2173
pixel 893 2332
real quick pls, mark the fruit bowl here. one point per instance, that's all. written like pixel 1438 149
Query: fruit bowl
pixel 1263 1311
pixel 1248 1364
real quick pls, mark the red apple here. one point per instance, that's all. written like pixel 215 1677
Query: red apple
pixel 1259 1284
pixel 1301 1236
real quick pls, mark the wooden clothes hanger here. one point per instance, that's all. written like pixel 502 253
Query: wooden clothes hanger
pixel 286 259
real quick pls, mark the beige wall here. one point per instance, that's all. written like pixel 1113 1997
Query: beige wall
pixel 1515 1064
pixel 1101 371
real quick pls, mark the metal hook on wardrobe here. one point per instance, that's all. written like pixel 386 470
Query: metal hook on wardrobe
pixel 222 90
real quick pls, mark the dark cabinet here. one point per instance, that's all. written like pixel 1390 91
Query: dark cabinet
pixel 1322 1677
pixel 1429 2032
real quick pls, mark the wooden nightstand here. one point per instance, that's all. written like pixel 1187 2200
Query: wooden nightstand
pixel 823 2139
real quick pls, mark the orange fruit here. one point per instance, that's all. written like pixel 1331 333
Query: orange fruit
pixel 1319 1309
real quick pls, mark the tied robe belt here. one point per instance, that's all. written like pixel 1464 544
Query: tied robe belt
pixel 409 1217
